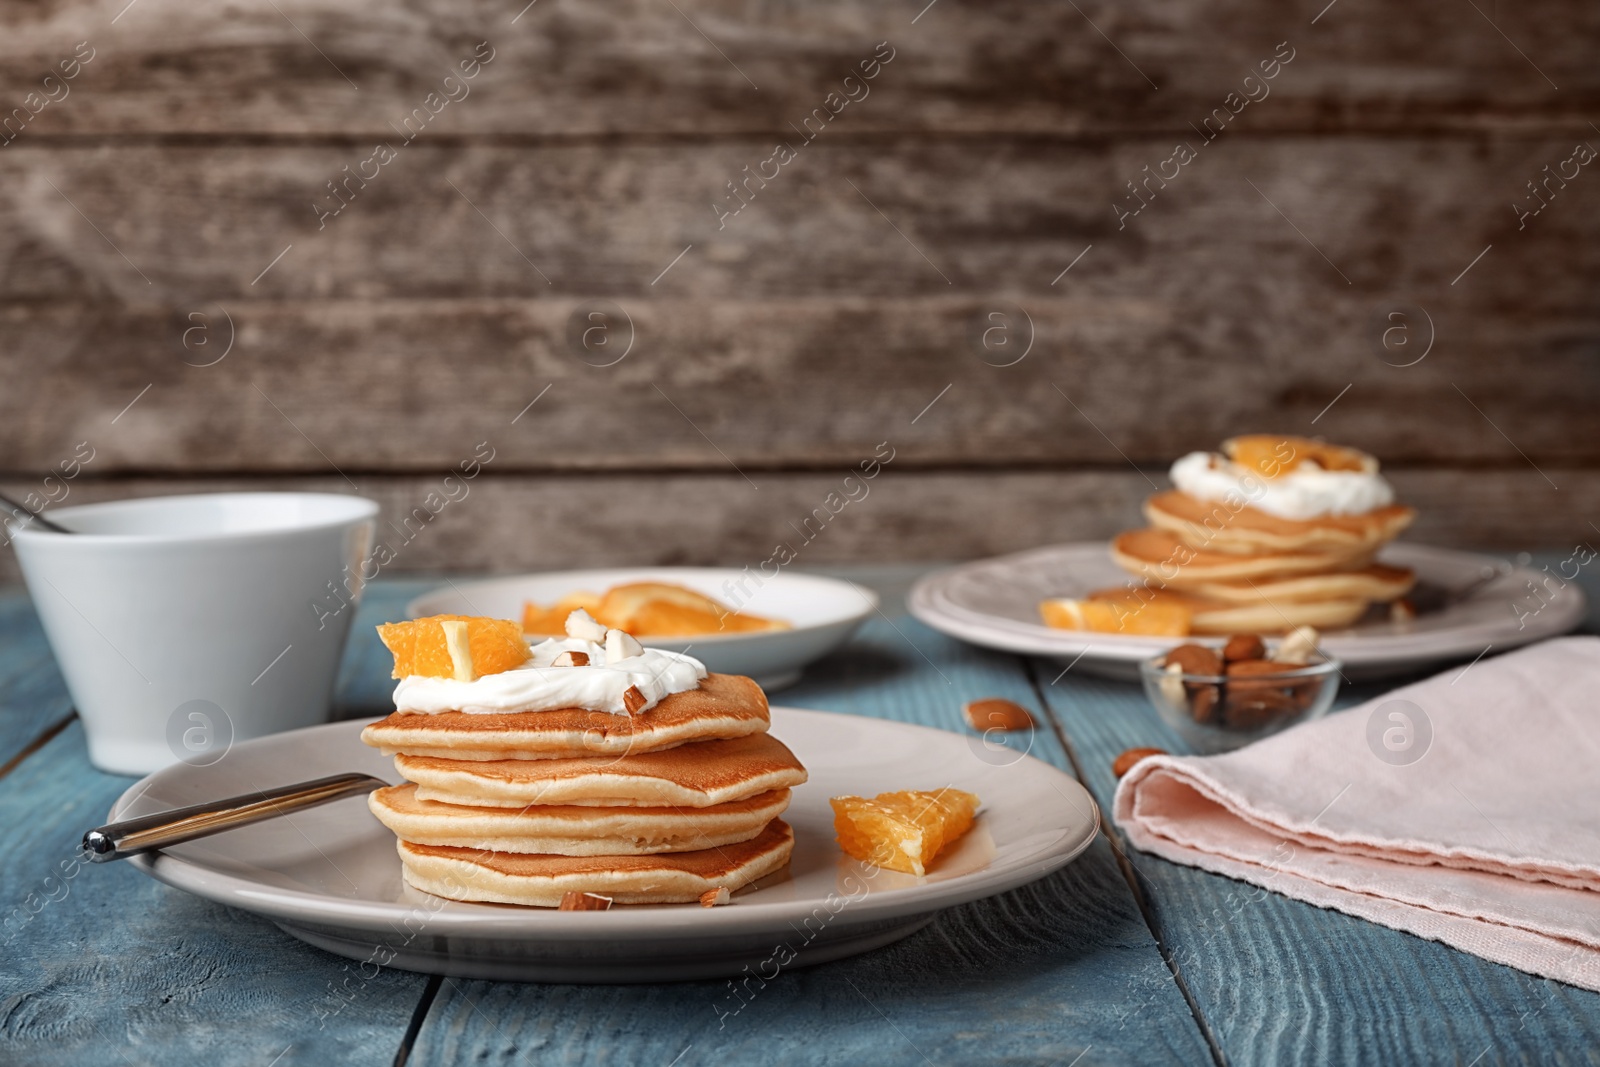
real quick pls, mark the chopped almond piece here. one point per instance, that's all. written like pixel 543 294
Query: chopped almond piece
pixel 632 699
pixel 712 897
pixel 576 901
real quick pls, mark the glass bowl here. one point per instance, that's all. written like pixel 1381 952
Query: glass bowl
pixel 1216 713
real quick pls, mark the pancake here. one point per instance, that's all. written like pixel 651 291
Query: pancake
pixel 724 706
pixel 571 830
pixel 693 776
pixel 541 880
pixel 1376 582
pixel 1271 617
pixel 1162 558
pixel 1211 525
pixel 1225 617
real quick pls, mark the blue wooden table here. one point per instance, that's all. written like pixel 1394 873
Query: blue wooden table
pixel 1120 958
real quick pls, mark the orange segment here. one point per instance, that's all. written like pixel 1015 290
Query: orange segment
pixel 419 646
pixel 663 618
pixel 647 609
pixel 1119 612
pixel 552 621
pixel 902 831
pixel 546 622
pixel 1271 455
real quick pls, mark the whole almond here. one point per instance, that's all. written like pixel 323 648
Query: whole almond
pixel 1124 763
pixel 1252 668
pixel 1195 659
pixel 1203 701
pixel 1255 708
pixel 1244 646
pixel 996 713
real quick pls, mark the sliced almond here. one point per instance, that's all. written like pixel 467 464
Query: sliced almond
pixel 712 897
pixel 996 713
pixel 460 649
pixel 571 659
pixel 1172 685
pixel 632 699
pixel 576 901
pixel 620 645
pixel 1298 647
pixel 584 627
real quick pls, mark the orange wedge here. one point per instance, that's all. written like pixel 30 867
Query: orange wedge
pixel 1121 612
pixel 664 618
pixel 659 609
pixel 546 622
pixel 1271 455
pixel 420 646
pixel 902 831
pixel 552 621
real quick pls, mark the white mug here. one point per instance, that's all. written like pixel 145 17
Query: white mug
pixel 185 623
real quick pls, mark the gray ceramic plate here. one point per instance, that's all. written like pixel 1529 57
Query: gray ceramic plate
pixel 1469 604
pixel 823 612
pixel 330 875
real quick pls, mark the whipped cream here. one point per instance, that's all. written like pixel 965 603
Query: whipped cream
pixel 540 687
pixel 1306 492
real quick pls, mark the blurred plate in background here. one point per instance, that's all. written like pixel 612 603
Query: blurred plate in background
pixel 823 612
pixel 1468 603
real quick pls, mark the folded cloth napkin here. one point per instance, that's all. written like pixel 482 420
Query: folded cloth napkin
pixel 1464 809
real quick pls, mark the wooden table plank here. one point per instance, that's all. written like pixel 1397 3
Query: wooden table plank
pixel 188 980
pixel 1284 982
pixel 631 67
pixel 1019 978
pixel 105 965
pixel 33 697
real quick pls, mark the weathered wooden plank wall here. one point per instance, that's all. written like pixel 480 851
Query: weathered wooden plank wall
pixel 172 201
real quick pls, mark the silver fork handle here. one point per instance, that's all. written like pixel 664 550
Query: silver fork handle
pixel 118 840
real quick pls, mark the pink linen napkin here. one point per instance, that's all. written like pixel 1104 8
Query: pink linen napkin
pixel 1484 835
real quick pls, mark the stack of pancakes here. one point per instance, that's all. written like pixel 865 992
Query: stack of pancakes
pixel 1238 569
pixel 662 806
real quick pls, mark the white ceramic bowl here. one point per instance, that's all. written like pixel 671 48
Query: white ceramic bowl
pixel 823 612
pixel 183 623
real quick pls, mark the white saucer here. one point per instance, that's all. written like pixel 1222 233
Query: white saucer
pixel 330 875
pixel 995 603
pixel 823 612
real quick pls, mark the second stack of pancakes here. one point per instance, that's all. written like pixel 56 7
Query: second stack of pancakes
pixel 661 806
pixel 1240 568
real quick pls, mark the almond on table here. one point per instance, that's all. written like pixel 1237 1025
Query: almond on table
pixel 423 647
pixel 997 713
pixel 902 831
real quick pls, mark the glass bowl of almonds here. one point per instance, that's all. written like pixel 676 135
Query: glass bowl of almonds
pixel 1220 697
